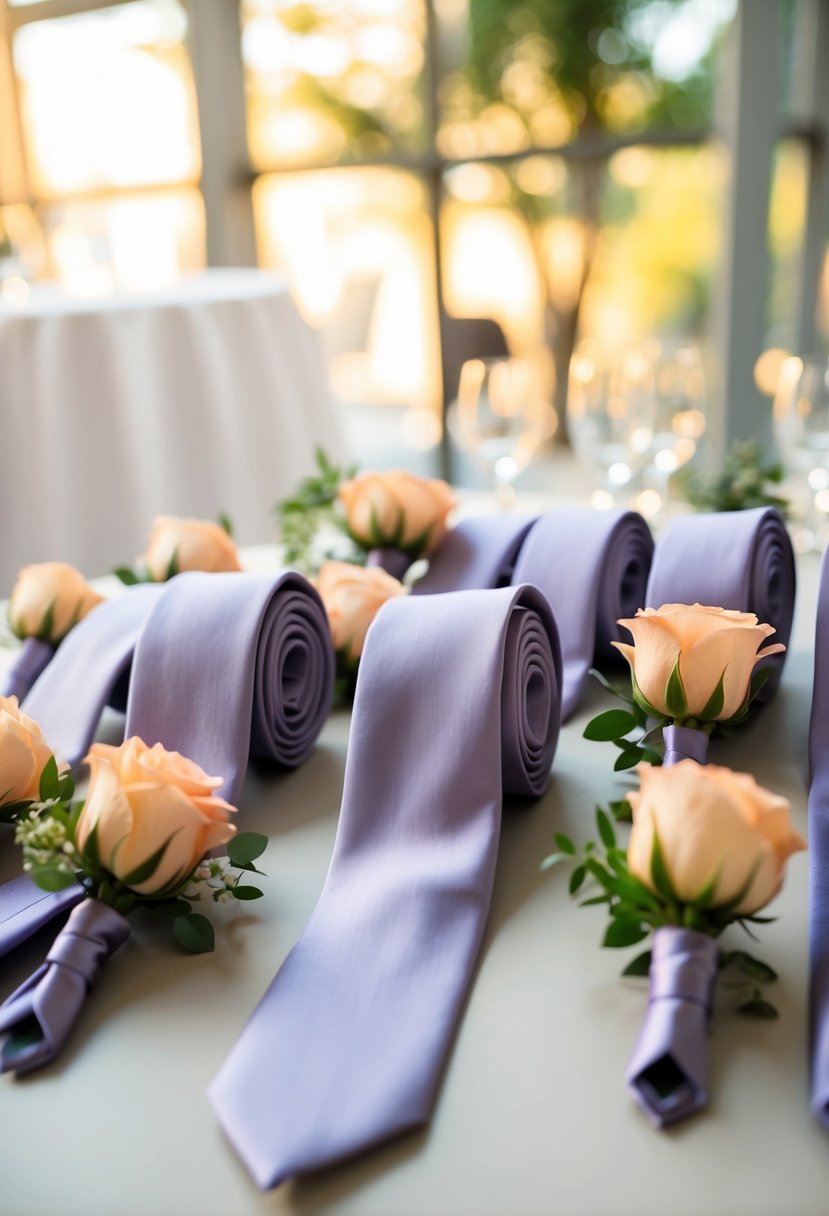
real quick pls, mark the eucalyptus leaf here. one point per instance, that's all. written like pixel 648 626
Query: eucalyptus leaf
pixel 640 966
pixel 610 725
pixel 246 847
pixel 577 878
pixel 195 933
pixel 245 893
pixel 565 844
pixel 624 931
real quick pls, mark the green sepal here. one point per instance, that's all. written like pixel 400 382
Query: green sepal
pixel 172 566
pixel 147 868
pixel 50 782
pixel 676 702
pixel 195 933
pixel 47 623
pixel 659 871
pixel 127 576
pixel 714 705
pixel 226 523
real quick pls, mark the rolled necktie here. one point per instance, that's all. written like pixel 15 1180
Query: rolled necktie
pixel 668 1072
pixel 819 860
pixel 87 672
pixel 349 1043
pixel 740 560
pixel 230 666
pixel 33 658
pixel 38 1016
pixel 591 565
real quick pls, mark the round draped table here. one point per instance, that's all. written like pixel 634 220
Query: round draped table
pixel 209 396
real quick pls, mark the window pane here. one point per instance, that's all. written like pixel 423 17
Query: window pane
pixel 787 215
pixel 132 242
pixel 328 80
pixel 107 99
pixel 356 248
pixel 521 75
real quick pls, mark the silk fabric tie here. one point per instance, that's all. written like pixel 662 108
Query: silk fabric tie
pixel 819 859
pixel 591 565
pixel 457 699
pixel 33 658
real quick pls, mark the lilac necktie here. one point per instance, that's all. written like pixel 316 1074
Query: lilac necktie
pixel 731 559
pixel 33 658
pixel 819 859
pixel 233 665
pixel 89 670
pixel 457 699
pixel 591 565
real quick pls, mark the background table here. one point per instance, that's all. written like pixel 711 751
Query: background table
pixel 208 397
pixel 533 1115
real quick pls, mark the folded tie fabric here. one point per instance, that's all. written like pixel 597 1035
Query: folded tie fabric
pixel 33 658
pixel 230 666
pixel 592 566
pixel 52 996
pixel 457 699
pixel 740 560
pixel 819 859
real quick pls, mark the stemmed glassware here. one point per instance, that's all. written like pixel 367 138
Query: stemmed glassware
pixel 611 413
pixel 499 419
pixel 801 427
pixel 679 419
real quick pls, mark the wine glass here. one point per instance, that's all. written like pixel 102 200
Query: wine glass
pixel 499 419
pixel 679 417
pixel 801 427
pixel 611 411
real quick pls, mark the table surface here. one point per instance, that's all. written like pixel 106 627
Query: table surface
pixel 533 1116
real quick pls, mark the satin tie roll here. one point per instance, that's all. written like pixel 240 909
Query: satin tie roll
pixel 230 666
pixel 731 559
pixel 457 699
pixel 591 565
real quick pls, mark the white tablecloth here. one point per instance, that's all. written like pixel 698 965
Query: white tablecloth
pixel 533 1118
pixel 208 397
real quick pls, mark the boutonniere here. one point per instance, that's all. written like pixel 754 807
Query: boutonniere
pixel 175 545
pixel 142 838
pixel 707 850
pixel 693 670
pixel 352 597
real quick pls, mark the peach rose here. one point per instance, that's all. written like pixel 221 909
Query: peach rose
pixel 397 510
pixel 353 595
pixel 716 829
pixel 142 799
pixel 703 645
pixel 48 599
pixel 24 754
pixel 190 544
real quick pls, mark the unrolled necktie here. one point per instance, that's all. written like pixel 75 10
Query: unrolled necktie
pixel 33 658
pixel 741 560
pixel 819 859
pixel 591 565
pixel 457 699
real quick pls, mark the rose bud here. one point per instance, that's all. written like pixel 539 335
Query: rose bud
pixel 24 754
pixel 721 835
pixel 692 661
pixel 353 595
pixel 176 545
pixel 142 799
pixel 48 599
pixel 397 510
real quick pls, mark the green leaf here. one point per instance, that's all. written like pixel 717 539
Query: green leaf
pixel 47 623
pixel 640 966
pixel 225 522
pixel 49 786
pixel 565 844
pixel 147 868
pixel 51 878
pixel 714 705
pixel 612 724
pixel 246 847
pixel 170 909
pixel 624 931
pixel 659 871
pixel 621 810
pixel 553 860
pixel 757 1008
pixel 608 836
pixel 245 893
pixel 676 701
pixel 608 687
pixel 195 933
pixel 127 576
pixel 629 757
pixel 594 899
pixel 172 566
pixel 577 878
pixel 66 788
pixel 751 966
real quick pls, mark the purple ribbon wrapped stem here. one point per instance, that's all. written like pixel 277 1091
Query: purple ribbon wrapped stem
pixel 668 1072
pixel 394 561
pixel 685 743
pixel 36 1019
